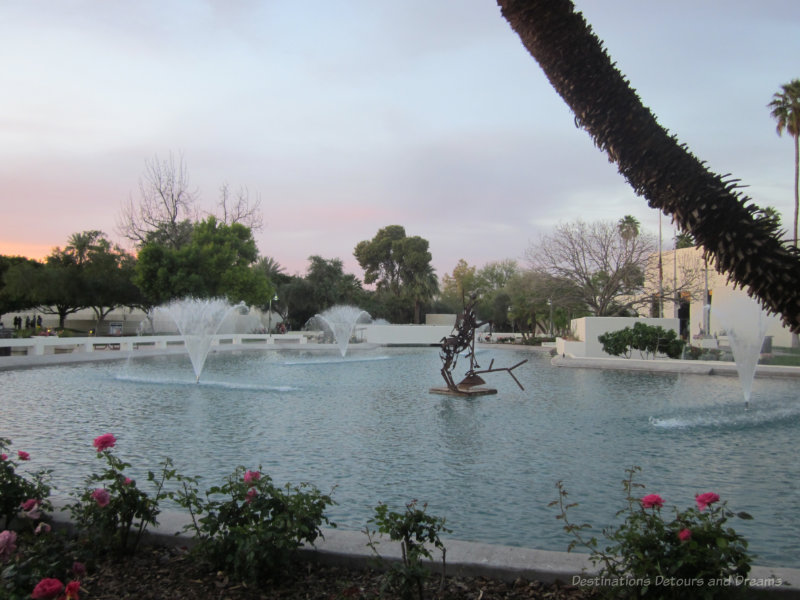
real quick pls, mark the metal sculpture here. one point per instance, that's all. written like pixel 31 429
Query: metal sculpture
pixel 460 341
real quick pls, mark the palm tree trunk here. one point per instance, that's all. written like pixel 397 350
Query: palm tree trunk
pixel 655 164
pixel 796 184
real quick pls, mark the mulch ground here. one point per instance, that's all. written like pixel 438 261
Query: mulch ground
pixel 168 573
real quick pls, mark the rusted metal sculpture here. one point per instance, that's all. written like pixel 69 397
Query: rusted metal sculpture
pixel 460 341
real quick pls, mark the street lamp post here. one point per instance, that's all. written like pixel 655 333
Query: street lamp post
pixel 550 304
pixel 269 327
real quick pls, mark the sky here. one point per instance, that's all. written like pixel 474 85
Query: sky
pixel 344 117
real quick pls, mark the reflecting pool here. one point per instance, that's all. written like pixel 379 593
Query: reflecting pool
pixel 367 426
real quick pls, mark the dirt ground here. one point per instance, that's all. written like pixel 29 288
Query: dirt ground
pixel 168 573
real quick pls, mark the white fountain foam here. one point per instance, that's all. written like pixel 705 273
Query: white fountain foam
pixel 340 321
pixel 746 325
pixel 198 321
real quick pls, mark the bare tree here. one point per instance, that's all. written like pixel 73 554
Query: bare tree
pixel 238 208
pixel 681 278
pixel 166 206
pixel 597 260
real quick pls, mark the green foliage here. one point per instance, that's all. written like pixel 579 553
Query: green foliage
pixel 112 511
pixel 39 554
pixel 617 343
pixel 649 551
pixel 413 528
pixel 215 263
pixel 251 528
pixel 399 266
pixel 16 488
pixel 14 298
pixel 649 340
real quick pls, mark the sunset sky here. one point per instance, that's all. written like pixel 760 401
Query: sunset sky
pixel 344 117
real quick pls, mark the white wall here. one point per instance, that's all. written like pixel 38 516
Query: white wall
pixel 406 334
pixel 586 329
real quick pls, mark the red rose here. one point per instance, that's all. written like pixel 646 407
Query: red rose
pixel 47 588
pixel 652 501
pixel 104 442
pixel 703 500
pixel 23 455
pixel 72 589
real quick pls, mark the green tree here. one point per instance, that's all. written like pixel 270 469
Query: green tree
pixel 495 275
pixel 89 272
pixel 654 162
pixel 785 107
pixel 106 275
pixel 629 227
pixel 15 298
pixel 684 239
pixel 400 268
pixel 215 263
pixel 457 287
pixel 330 285
pixel 296 302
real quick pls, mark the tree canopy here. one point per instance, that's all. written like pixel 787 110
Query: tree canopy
pixel 215 263
pixel 400 267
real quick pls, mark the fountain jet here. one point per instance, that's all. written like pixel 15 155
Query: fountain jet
pixel 340 321
pixel 198 321
pixel 746 325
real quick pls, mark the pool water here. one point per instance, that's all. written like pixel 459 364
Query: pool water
pixel 367 427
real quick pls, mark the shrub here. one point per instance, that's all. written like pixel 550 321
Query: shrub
pixel 15 489
pixel 413 528
pixel 250 527
pixel 37 555
pixel 111 509
pixel 647 339
pixel 692 554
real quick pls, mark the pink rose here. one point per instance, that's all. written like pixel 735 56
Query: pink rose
pixel 251 495
pixel 72 589
pixel 8 543
pixel 31 508
pixel 3 456
pixel 127 481
pixel 42 528
pixel 79 569
pixel 251 476
pixel 23 455
pixel 47 588
pixel 685 535
pixel 704 500
pixel 104 442
pixel 29 505
pixel 102 497
pixel 652 501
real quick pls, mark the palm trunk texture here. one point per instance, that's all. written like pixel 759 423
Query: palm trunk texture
pixel 742 243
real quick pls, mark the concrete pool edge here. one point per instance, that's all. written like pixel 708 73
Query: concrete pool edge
pixel 694 367
pixel 349 548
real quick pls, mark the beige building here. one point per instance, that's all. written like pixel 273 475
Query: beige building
pixel 688 288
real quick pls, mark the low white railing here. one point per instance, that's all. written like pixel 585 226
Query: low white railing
pixel 40 345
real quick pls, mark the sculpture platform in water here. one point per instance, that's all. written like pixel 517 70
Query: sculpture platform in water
pixel 461 340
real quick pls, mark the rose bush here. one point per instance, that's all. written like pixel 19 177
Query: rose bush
pixel 250 527
pixel 18 490
pixel 116 515
pixel 694 546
